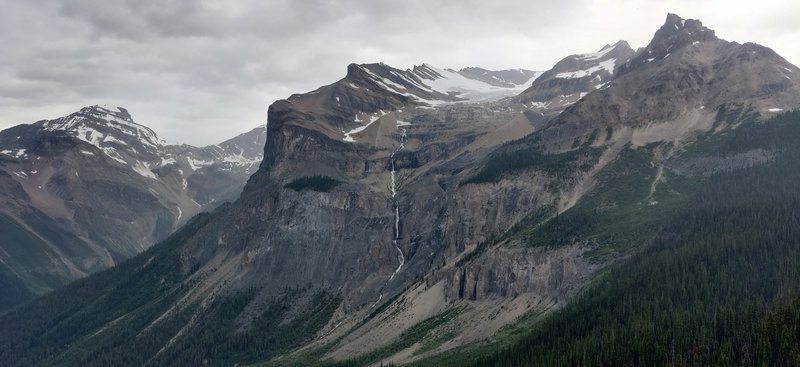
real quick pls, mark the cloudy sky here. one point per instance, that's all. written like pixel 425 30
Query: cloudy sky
pixel 199 72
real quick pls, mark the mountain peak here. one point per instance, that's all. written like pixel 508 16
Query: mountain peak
pixel 105 110
pixel 575 76
pixel 679 31
pixel 98 124
pixel 675 34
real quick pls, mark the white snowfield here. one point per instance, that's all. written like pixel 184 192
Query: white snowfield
pixel 472 90
pixel 433 80
pixel 607 65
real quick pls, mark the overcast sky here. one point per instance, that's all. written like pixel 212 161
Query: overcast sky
pixel 199 72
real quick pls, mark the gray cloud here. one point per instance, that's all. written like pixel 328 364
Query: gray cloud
pixel 200 71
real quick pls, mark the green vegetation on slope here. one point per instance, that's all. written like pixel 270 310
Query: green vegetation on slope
pixel 12 288
pixel 619 212
pixel 131 315
pixel 717 283
pixel 406 339
pixel 63 322
pixel 219 340
pixel 707 292
pixel 28 258
pixel 314 183
pixel 509 161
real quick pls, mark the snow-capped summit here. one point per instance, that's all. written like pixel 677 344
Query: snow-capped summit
pixel 575 76
pixel 100 124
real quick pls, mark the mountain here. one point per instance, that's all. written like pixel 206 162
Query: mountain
pixel 91 189
pixel 412 217
pixel 675 87
pixel 574 77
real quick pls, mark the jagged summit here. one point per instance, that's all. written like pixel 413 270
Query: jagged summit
pixel 675 34
pixel 677 26
pixel 674 87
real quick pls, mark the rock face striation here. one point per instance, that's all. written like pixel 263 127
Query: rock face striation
pixel 402 196
pixel 91 189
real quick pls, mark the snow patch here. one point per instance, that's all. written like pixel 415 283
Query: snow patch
pixel 607 65
pixel 473 90
pixel 241 160
pixel 113 154
pixel 595 55
pixel 348 135
pixel 141 169
pixel 111 139
pixel 196 164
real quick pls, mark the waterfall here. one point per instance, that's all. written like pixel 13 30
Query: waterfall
pixel 401 258
pixel 395 242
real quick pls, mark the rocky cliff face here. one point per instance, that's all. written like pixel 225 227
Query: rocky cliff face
pixel 110 186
